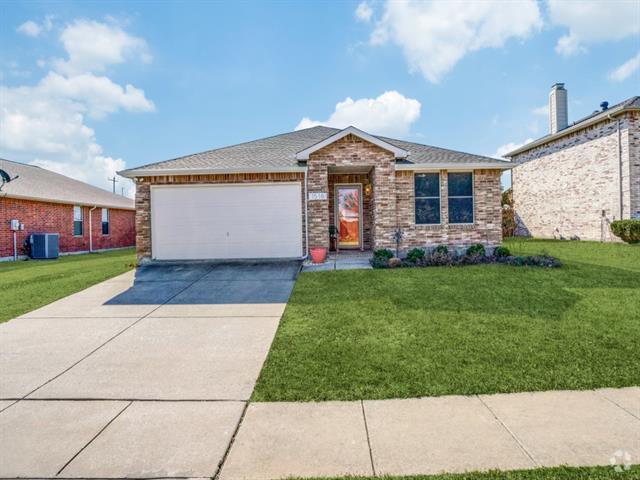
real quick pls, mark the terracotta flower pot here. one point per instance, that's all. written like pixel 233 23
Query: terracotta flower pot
pixel 318 254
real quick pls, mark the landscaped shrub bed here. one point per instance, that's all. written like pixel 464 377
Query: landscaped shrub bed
pixel 627 230
pixel 440 256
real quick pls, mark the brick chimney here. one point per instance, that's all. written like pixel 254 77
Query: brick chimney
pixel 558 112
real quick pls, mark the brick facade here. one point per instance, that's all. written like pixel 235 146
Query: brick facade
pixel 487 226
pixel 58 218
pixel 562 188
pixel 143 198
pixel 389 206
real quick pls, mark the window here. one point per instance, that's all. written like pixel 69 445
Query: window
pixel 460 197
pixel 427 193
pixel 77 221
pixel 105 221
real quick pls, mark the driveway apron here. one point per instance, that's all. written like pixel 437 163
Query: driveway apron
pixel 154 367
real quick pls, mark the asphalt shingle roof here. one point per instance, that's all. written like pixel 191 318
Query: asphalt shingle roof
pixel 44 185
pixel 279 152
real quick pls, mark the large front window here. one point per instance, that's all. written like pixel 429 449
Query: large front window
pixel 427 194
pixel 460 197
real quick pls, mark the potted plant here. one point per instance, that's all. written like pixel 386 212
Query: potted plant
pixel 333 238
pixel 318 254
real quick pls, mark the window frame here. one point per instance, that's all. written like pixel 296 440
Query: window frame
pixel 416 198
pixel 81 221
pixel 108 222
pixel 472 196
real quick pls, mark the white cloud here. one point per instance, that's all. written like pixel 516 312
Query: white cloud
pixel 593 21
pixel 45 124
pixel 502 150
pixel 364 12
pixel 625 70
pixel 30 28
pixel 34 29
pixel 93 46
pixel 389 114
pixel 542 110
pixel 435 35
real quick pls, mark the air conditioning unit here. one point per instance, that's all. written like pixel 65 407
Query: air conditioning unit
pixel 44 245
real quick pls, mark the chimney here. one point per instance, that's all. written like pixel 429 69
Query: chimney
pixel 558 113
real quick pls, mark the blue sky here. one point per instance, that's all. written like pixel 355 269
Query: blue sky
pixel 88 88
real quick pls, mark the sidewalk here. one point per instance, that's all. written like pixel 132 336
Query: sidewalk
pixel 433 435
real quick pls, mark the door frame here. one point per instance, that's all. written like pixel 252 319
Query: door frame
pixel 336 215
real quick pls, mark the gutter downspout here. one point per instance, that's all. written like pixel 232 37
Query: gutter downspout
pixel 91 229
pixel 306 217
pixel 621 199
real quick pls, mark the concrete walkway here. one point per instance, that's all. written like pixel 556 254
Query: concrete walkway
pixel 434 435
pixel 144 375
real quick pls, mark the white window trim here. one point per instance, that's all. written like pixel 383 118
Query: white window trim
pixel 473 198
pixel 81 221
pixel 108 222
pixel 439 197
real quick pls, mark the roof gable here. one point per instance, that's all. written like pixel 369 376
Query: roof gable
pixel 397 151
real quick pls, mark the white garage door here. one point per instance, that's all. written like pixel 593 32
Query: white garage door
pixel 226 221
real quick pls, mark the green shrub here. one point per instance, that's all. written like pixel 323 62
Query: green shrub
pixel 441 249
pixel 627 230
pixel 383 253
pixel 415 255
pixel 477 249
pixel 501 252
pixel 379 262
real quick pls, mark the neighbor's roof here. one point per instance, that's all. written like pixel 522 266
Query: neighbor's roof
pixel 278 153
pixel 35 183
pixel 632 103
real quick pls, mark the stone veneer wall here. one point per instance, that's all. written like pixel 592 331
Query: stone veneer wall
pixel 562 188
pixel 487 226
pixel 143 198
pixel 345 152
pixel 367 203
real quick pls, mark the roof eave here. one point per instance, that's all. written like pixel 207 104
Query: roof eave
pixel 351 130
pixel 497 165
pixel 571 129
pixel 150 172
pixel 69 202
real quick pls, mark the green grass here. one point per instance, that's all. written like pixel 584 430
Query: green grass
pixel 401 333
pixel 561 473
pixel 27 285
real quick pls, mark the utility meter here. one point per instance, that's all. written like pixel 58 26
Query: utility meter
pixel 15 224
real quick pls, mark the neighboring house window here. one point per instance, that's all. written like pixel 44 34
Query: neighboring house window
pixel 427 193
pixel 105 221
pixel 460 197
pixel 77 221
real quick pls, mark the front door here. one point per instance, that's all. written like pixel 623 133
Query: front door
pixel 349 215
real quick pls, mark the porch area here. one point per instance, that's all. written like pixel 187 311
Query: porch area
pixel 341 260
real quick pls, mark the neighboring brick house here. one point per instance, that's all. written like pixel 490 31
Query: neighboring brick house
pixel 272 197
pixel 87 218
pixel 575 181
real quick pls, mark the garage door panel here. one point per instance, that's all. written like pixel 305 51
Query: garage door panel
pixel 226 221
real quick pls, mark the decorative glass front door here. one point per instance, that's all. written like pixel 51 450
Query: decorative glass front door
pixel 349 214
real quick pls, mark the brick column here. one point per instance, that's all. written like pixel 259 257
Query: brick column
pixel 318 210
pixel 384 205
pixel 143 219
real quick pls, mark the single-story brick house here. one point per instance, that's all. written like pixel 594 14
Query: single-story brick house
pixel 580 177
pixel 87 218
pixel 273 197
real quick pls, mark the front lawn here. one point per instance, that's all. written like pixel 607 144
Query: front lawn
pixel 27 285
pixel 560 473
pixel 372 334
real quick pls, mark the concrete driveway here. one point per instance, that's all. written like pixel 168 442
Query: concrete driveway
pixel 144 375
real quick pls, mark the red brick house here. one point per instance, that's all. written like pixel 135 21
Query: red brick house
pixel 87 218
pixel 273 197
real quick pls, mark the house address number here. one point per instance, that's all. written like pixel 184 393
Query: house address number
pixel 317 195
